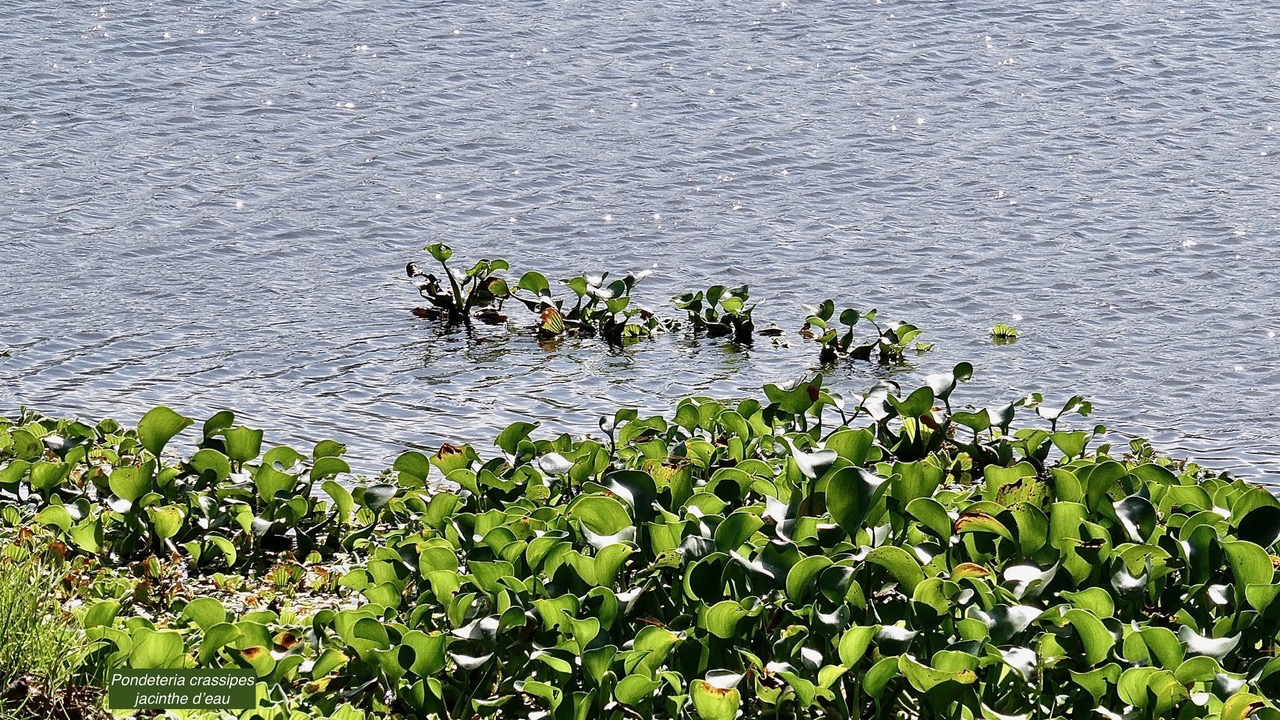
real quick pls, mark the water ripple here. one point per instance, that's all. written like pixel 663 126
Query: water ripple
pixel 209 206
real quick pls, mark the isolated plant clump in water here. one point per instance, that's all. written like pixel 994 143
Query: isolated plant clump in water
pixel 795 555
pixel 719 311
pixel 888 344
pixel 604 307
pixel 600 306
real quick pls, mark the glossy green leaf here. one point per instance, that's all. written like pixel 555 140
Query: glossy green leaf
pixel 904 568
pixel 158 426
pixel 852 493
pixel 131 482
pixel 155 649
pixel 243 444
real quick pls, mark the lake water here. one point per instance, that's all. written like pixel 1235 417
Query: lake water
pixel 210 205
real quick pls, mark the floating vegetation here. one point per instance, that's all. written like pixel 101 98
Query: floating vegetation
pixel 1003 334
pixel 888 345
pixel 792 555
pixel 476 291
pixel 719 311
pixel 600 306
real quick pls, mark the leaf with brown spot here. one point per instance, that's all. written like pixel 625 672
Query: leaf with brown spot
pixel 252 653
pixel 981 522
pixel 968 569
pixel 285 640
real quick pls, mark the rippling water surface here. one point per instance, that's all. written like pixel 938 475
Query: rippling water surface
pixel 210 206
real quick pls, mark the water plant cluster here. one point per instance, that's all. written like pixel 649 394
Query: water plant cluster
pixel 598 307
pixel 601 307
pixel 888 346
pixel 792 555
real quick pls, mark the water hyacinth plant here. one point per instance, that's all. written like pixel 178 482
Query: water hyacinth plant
pixel 476 292
pixel 719 311
pixel 888 346
pixel 601 307
pixel 792 555
pixel 1003 334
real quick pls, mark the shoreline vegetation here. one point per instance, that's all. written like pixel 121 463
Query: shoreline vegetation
pixel 795 554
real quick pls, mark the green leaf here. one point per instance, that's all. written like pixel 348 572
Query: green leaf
pixel 243 444
pixel 634 689
pixel 439 251
pixel 216 424
pixel 1071 444
pixel 428 650
pixel 1097 681
pixel 925 678
pixel 509 439
pixel 878 677
pixel 342 499
pixel 854 643
pixel 228 550
pixel 600 514
pixel 272 482
pixel 932 515
pixel 713 703
pixel 1094 599
pixel 918 403
pixel 205 612
pixel 46 477
pixel 102 613
pixel 722 618
pixel 1138 516
pixel 131 482
pixel 856 446
pixel 1095 636
pixel 1250 564
pixel 217 637
pixel 1165 647
pixel 56 516
pixel 327 466
pixel 536 283
pixel 212 462
pixel 87 534
pixel 800 578
pixel 1260 526
pixel 414 467
pixel 852 493
pixel 734 530
pixel 375 497
pixel 1241 706
pixel 597 662
pixel 155 649
pixel 166 520
pixel 905 568
pixel 158 426
pixel 971 522
pixel 914 480
pixel 1198 669
pixel 975 421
